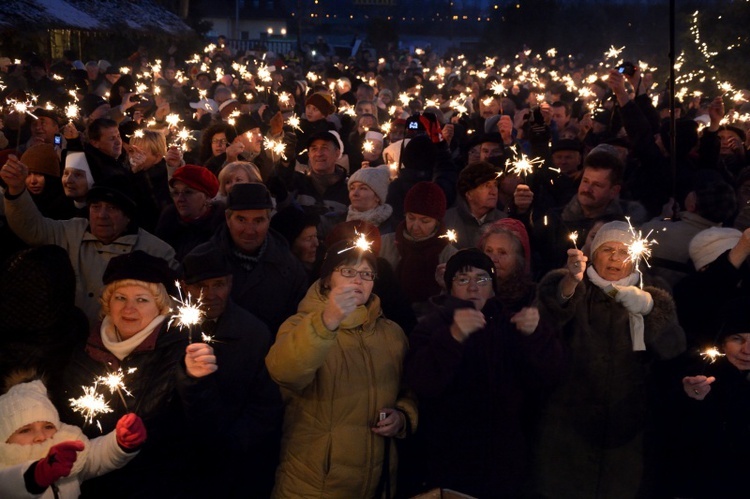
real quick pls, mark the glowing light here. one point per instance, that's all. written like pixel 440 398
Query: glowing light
pixel 189 313
pixel 497 88
pixel 711 354
pixel 573 236
pixel 90 404
pixel 294 122
pixel 522 165
pixel 450 235
pixel 361 243
pixel 72 111
pixel 613 53
pixel 639 249
pixel 368 146
pixel 275 146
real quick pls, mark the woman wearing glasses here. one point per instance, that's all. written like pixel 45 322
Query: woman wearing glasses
pixel 592 439
pixel 214 141
pixel 339 364
pixel 473 365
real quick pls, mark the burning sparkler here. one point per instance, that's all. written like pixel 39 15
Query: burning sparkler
pixel 639 249
pixel 189 314
pixel 522 165
pixel 450 235
pixel 711 354
pixel 90 404
pixel 275 146
pixel 115 381
pixel 368 146
pixel 573 236
pixel 361 243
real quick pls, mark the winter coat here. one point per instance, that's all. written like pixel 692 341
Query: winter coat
pixel 468 229
pixel 184 235
pixel 591 441
pixel 159 469
pixel 334 383
pixel 473 397
pixel 88 255
pixel 273 288
pixel 100 455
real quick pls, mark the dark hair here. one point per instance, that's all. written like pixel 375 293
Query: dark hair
pixel 94 131
pixel 208 135
pixel 716 201
pixel 342 253
pixel 601 160
pixel 562 104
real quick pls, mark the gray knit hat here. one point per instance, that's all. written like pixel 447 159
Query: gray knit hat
pixel 376 179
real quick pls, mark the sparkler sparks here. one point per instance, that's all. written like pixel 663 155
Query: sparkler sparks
pixel 450 235
pixel 613 53
pixel 275 146
pixel 90 404
pixel 639 249
pixel 361 243
pixel 189 313
pixel 368 146
pixel 522 165
pixel 711 354
pixel 573 236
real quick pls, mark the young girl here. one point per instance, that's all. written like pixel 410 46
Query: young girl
pixel 42 457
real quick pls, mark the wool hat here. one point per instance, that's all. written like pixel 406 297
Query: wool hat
pixel 376 179
pixel 323 101
pixel 392 153
pixel 707 245
pixel 374 135
pixel 42 158
pixel 567 145
pixel 343 251
pixel 115 190
pixel 90 103
pixel 349 231
pixel 331 136
pixel 197 177
pixel 292 220
pixel 612 232
pixel 475 175
pixel 77 161
pixel 252 196
pixel 205 263
pixel 468 257
pixel 734 316
pixel 519 231
pixel 140 266
pixel 23 404
pixel 420 154
pixel 47 113
pixel 427 199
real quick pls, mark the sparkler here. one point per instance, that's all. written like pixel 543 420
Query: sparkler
pixel 450 235
pixel 639 249
pixel 573 236
pixel 367 146
pixel 275 146
pixel 72 111
pixel 613 53
pixel 711 354
pixel 115 381
pixel 189 314
pixel 90 404
pixel 361 243
pixel 523 165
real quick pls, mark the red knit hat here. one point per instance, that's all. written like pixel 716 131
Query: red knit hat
pixel 197 177
pixel 518 230
pixel 426 199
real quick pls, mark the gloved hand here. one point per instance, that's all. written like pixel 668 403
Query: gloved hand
pixel 130 432
pixel 58 463
pixel 634 299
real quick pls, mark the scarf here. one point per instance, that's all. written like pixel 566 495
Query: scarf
pixel 249 262
pixel 636 320
pixel 375 216
pixel 123 348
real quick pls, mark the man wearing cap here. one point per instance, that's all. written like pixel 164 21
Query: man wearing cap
pixel 43 128
pixel 108 232
pixel 553 189
pixel 249 401
pixel 104 151
pixel 267 280
pixel 476 205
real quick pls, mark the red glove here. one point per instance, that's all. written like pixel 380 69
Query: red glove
pixel 58 463
pixel 130 432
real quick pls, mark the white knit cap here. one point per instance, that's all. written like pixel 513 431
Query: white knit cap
pixel 77 161
pixel 392 153
pixel 376 179
pixel 612 232
pixel 374 135
pixel 24 404
pixel 707 245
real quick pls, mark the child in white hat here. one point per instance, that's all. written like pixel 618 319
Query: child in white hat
pixel 42 457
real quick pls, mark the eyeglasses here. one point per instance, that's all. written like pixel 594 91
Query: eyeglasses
pixel 219 142
pixel 464 280
pixel 366 275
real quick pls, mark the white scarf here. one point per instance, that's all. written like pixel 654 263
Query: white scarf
pixel 636 320
pixel 123 348
pixel 375 216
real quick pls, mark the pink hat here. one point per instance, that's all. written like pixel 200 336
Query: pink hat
pixel 517 228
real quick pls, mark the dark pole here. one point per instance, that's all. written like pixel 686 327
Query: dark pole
pixel 672 91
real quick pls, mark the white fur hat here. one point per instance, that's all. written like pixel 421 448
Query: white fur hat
pixel 392 153
pixel 24 404
pixel 612 231
pixel 77 161
pixel 375 178
pixel 707 245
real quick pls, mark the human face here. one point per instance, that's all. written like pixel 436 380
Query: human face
pixel 214 294
pixel 107 221
pixel 248 229
pixel 110 142
pixel 420 226
pixel 253 140
pixel 566 161
pixel 305 247
pixel 238 177
pixel 362 197
pixel 313 114
pixel 559 117
pixel 218 143
pixel 44 129
pixel 489 150
pixel 190 204
pixel 365 123
pixel 729 141
pixel 362 288
pixel 596 190
pixel 35 182
pixel 32 433
pixel 737 350
pixel 131 309
pixel 74 183
pixel 473 291
pixel 483 197
pixel 474 154
pixel 501 250
pixel 489 107
pixel 366 109
pixel 323 156
pixel 610 261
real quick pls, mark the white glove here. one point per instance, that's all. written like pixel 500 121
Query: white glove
pixel 634 299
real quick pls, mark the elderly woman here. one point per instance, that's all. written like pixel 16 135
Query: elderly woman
pixel 506 242
pixel 339 364
pixel 368 188
pixel 194 216
pixel 592 435
pixel 237 172
pixel 416 249
pixel 474 366
pixel 163 375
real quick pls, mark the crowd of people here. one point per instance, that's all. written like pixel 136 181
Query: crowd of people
pixel 412 272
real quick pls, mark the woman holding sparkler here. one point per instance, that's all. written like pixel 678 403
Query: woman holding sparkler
pixel 161 378
pixel 591 439
pixel 339 364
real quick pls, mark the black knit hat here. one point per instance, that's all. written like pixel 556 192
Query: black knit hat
pixel 475 175
pixel 736 317
pixel 292 220
pixel 205 263
pixel 252 196
pixel 140 266
pixel 115 190
pixel 465 258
